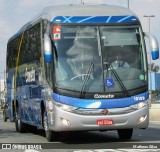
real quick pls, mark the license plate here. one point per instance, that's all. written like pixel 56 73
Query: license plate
pixel 105 122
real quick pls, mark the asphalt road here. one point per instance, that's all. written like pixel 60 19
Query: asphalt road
pixel 84 141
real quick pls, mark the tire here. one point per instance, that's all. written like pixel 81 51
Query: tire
pixel 50 135
pixel 20 127
pixel 4 117
pixel 125 133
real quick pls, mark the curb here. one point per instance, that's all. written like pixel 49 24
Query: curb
pixel 154 122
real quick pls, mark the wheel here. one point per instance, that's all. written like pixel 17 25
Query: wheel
pixel 125 133
pixel 50 135
pixel 4 116
pixel 20 127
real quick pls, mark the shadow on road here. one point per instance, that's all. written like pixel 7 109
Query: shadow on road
pixel 82 138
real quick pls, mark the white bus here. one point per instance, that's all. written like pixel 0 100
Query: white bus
pixel 80 68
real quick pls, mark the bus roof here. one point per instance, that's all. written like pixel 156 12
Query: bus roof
pixel 85 11
pixel 51 12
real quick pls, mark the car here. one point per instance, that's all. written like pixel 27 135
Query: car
pixel 5 112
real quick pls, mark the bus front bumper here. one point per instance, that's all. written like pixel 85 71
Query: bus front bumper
pixel 60 120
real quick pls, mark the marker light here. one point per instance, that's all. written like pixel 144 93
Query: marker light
pixel 65 122
pixel 47 48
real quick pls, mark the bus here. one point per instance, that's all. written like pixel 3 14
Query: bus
pixel 61 76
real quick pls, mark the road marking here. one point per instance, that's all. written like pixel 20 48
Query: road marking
pixel 119 150
pixel 31 150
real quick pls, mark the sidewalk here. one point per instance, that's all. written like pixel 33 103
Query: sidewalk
pixel 154 112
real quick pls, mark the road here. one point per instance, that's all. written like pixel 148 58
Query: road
pixel 84 140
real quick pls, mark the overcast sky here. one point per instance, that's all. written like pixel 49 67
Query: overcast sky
pixel 15 13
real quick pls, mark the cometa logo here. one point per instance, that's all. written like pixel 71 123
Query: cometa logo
pixel 109 96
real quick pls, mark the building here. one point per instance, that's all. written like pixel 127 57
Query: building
pixel 155 81
pixel 2 85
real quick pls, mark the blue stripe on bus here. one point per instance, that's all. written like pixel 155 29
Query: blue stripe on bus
pixel 101 103
pixel 95 19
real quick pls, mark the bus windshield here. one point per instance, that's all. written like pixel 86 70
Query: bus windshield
pixel 116 53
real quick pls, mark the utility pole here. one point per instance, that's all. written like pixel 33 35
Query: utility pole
pixel 82 2
pixel 4 81
pixel 128 4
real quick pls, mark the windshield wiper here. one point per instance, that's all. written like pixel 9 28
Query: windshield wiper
pixel 123 88
pixel 86 78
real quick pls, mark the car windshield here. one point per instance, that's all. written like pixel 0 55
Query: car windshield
pixel 118 49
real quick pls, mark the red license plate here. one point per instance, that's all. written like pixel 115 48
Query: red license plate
pixel 105 122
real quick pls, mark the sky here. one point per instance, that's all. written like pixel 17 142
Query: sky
pixel 15 13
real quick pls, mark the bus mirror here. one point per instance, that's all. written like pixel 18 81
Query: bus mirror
pixel 47 48
pixel 153 45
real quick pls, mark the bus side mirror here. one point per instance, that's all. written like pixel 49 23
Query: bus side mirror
pixel 153 45
pixel 47 49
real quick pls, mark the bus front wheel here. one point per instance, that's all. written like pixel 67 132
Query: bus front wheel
pixel 50 135
pixel 18 124
pixel 125 133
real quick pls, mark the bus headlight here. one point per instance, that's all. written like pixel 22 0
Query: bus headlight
pixel 65 107
pixel 139 105
pixel 65 122
pixel 142 119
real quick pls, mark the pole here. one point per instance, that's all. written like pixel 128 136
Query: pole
pixel 128 4
pixel 150 60
pixel 4 81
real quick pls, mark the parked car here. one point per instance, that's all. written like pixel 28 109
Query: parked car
pixel 5 112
